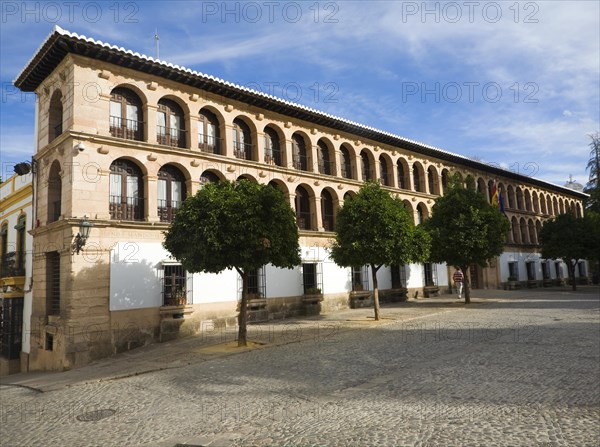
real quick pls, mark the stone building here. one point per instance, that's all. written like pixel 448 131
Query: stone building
pixel 122 139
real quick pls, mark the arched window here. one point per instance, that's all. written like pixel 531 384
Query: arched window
pixel 54 192
pixel 126 116
pixel 470 183
pixel 20 227
pixel 511 196
pixel 209 177
pixel 272 147
pixel 516 233
pixel 346 163
pixel 532 235
pixel 55 116
pixel 528 205
pixel 3 248
pixel 481 188
pixel 524 231
pixel 383 171
pixel 327 212
pixel 444 180
pixel 323 158
pixel 422 213
pixel 520 204
pixel 538 228
pixel 126 191
pixel 402 178
pixel 171 192
pixel 170 124
pixel 209 134
pixel 303 215
pixel 417 178
pixel 365 166
pixel 242 140
pixel 432 180
pixel 300 160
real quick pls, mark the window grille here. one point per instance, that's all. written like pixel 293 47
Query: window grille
pixel 513 270
pixel 257 283
pixel 398 276
pixel 176 285
pixel 530 270
pixel 430 274
pixel 53 283
pixel 360 278
pixel 312 278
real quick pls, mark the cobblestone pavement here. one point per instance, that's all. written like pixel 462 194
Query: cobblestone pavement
pixel 521 370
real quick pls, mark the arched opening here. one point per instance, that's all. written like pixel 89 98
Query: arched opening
pixel 242 140
pixel 384 171
pixel 272 147
pixel 299 153
pixel 402 172
pixel 303 214
pixel 365 164
pixel 422 213
pixel 346 163
pixel 445 176
pixel 126 191
pixel 532 235
pixel 538 228
pixel 54 192
pixel 433 181
pixel 482 189
pixel 170 124
pixel 171 192
pixel 528 203
pixel 516 232
pixel 418 179
pixel 55 116
pixel 327 210
pixel 209 132
pixel 323 158
pixel 209 177
pixel 470 183
pixel 126 115
pixel 524 231
pixel 520 199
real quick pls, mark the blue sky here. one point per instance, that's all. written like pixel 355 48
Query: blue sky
pixel 512 83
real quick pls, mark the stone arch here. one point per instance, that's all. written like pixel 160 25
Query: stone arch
pixel 211 130
pixel 386 173
pixel 418 173
pixel 367 162
pixel 274 146
pixel 515 230
pixel 528 202
pixel 403 173
pixel 329 205
pixel 433 182
pixel 301 151
pixel 244 138
pixel 536 202
pixel 510 193
pixel 520 199
pixel 482 189
pixel 347 161
pixel 422 213
pixel 54 192
pixel 524 231
pixel 325 157
pixel 445 179
pixel 304 202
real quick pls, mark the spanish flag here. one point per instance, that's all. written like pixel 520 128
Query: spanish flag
pixel 495 197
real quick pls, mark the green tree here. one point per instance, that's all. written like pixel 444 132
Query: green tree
pixel 465 229
pixel 240 225
pixel 567 237
pixel 593 184
pixel 376 229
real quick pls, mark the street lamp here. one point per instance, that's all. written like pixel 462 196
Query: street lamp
pixel 84 232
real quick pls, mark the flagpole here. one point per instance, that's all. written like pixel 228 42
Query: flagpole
pixel 156 43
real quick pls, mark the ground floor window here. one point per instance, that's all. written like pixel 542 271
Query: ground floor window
pixel 360 278
pixel 430 274
pixel 581 269
pixel 398 276
pixel 513 271
pixel 546 270
pixel 257 283
pixel 530 270
pixel 312 279
pixel 11 327
pixel 558 269
pixel 176 286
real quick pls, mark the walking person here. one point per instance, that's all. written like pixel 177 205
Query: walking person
pixel 458 278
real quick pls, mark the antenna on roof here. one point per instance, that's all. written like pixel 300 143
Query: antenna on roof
pixel 156 43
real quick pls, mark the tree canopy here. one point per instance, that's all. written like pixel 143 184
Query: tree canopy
pixel 240 226
pixel 465 229
pixel 571 239
pixel 376 229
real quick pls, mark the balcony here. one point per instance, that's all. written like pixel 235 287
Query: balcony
pixel 300 162
pixel 304 220
pixel 12 265
pixel 127 129
pixel 326 167
pixel 167 209
pixel 209 144
pixel 170 136
pixel 242 151
pixel 130 209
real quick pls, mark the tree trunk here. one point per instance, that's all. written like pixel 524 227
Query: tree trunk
pixel 375 291
pixel 572 274
pixel 243 315
pixel 467 284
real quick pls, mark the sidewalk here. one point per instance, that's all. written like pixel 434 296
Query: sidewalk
pixel 219 343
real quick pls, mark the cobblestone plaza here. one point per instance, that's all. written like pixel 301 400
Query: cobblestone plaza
pixel 514 368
